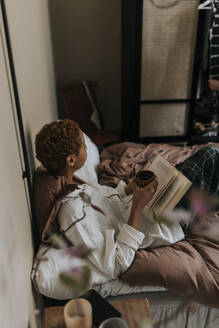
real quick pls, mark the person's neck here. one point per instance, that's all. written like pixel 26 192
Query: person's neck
pixel 67 173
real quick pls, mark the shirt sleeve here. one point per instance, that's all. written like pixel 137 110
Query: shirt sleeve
pixel 112 250
pixel 120 250
pixel 120 190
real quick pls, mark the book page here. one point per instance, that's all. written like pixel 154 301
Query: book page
pixel 165 173
pixel 173 194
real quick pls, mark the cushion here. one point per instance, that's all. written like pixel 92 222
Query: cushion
pixel 48 193
pixel 45 276
pixel 88 172
pixel 50 190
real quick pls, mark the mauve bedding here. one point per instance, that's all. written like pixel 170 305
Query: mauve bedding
pixel 190 267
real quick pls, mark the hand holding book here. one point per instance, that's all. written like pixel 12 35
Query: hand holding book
pixel 162 185
pixel 141 197
pixel 159 188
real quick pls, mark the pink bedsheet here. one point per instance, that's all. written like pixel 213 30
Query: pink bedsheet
pixel 118 161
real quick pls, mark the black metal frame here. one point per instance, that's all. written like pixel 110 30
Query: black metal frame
pixel 196 68
pixel 131 66
pixel 26 174
pixel 132 13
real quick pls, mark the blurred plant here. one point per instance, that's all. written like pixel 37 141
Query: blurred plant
pixel 87 200
pixel 78 276
pixel 200 218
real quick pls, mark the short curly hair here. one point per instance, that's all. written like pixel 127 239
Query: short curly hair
pixel 55 141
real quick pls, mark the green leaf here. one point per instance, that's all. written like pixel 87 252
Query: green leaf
pixel 73 283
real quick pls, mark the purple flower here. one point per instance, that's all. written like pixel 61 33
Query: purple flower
pixel 85 197
pixel 200 203
pixel 74 251
pixel 69 249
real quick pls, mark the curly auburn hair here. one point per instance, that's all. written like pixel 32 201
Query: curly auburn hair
pixel 55 141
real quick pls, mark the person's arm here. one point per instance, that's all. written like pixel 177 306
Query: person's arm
pixel 141 197
pixel 112 250
pixel 129 238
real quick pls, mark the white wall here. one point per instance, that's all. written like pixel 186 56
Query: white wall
pixel 87 46
pixel 15 237
pixel 31 46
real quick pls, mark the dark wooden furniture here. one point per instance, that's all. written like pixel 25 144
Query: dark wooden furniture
pixel 75 104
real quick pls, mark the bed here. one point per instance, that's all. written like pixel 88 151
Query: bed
pixel 116 162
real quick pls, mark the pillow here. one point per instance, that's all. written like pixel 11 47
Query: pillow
pixel 49 191
pixel 88 172
pixel 45 276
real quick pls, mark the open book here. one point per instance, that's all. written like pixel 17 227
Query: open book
pixel 172 185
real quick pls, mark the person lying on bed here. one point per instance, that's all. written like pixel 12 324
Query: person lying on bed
pixel 115 236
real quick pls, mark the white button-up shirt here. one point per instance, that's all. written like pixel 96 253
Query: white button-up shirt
pixel 112 241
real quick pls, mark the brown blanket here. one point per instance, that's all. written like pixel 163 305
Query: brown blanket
pixel 190 267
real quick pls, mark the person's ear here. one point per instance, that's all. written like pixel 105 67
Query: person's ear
pixel 70 160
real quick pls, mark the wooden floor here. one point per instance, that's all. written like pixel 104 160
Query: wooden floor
pixel 134 311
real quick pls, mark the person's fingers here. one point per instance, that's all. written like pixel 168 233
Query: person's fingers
pixel 152 189
pixel 155 187
pixel 153 184
pixel 156 182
